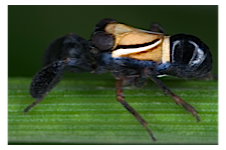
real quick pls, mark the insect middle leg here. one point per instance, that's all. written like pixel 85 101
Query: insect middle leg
pixel 120 98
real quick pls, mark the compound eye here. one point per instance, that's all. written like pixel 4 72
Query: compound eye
pixel 103 41
pixel 191 55
pixel 198 55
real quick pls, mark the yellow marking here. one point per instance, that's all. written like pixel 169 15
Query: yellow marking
pixel 166 49
pixel 120 52
pixel 154 54
pixel 126 35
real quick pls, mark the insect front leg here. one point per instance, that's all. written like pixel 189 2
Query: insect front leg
pixel 120 98
pixel 178 100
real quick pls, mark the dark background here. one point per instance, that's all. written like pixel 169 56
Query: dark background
pixel 31 28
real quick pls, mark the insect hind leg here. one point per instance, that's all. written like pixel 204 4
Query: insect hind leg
pixel 67 46
pixel 48 77
pixel 45 80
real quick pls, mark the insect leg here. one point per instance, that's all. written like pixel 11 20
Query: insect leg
pixel 32 105
pixel 70 45
pixel 120 98
pixel 155 27
pixel 178 100
pixel 45 80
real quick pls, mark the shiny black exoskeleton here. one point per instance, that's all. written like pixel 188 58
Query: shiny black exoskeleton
pixel 189 58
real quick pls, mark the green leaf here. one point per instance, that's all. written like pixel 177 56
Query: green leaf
pixel 84 110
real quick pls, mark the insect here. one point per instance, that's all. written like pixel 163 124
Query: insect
pixel 129 54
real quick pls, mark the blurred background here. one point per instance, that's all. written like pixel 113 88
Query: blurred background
pixel 32 28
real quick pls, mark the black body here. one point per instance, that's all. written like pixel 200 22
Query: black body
pixel 189 57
